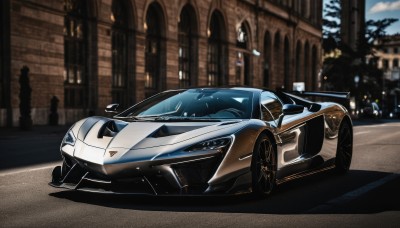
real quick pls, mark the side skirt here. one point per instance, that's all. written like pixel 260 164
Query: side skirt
pixel 304 174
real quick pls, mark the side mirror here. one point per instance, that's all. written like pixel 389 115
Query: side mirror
pixel 112 108
pixel 289 109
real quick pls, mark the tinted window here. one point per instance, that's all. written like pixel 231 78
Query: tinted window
pixel 194 103
pixel 271 106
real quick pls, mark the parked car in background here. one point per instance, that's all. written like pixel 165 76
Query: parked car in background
pixel 370 110
pixel 395 113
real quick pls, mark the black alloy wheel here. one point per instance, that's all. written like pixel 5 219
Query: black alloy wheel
pixel 263 166
pixel 344 148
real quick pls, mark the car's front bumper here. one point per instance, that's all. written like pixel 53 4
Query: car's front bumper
pixel 188 177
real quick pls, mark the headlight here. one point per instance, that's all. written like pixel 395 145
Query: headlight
pixel 220 144
pixel 69 138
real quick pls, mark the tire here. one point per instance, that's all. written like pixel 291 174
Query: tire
pixel 64 168
pixel 56 175
pixel 344 150
pixel 263 166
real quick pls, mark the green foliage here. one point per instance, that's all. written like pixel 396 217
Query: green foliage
pixel 339 72
pixel 374 31
pixel 331 26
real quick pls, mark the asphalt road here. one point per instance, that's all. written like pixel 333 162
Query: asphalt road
pixel 368 196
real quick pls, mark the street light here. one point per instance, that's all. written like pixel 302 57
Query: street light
pixel 356 80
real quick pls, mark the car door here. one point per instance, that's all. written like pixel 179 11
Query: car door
pixel 290 148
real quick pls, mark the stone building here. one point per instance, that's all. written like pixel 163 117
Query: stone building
pixel 95 52
pixel 352 22
pixel 388 56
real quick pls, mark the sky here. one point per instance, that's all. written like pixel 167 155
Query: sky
pixel 378 9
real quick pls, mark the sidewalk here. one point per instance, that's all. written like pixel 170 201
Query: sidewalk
pixel 16 132
pixel 33 148
pixel 358 122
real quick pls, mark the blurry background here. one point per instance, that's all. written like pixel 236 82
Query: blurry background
pixel 67 59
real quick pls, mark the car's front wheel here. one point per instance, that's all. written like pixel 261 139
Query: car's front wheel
pixel 263 166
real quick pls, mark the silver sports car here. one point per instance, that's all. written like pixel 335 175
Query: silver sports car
pixel 206 141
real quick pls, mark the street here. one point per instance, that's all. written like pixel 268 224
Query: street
pixel 367 196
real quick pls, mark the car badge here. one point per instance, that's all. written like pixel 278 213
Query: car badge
pixel 112 153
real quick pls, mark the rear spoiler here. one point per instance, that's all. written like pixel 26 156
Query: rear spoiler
pixel 342 98
pixel 337 95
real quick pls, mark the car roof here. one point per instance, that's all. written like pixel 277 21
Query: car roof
pixel 243 88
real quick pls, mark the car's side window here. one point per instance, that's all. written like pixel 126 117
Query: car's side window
pixel 271 106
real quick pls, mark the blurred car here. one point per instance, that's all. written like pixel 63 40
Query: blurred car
pixel 395 113
pixel 370 110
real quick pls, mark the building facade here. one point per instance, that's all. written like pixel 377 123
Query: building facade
pixel 388 56
pixel 90 53
pixel 352 22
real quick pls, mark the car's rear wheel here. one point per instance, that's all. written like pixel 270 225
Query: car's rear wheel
pixel 263 166
pixel 344 150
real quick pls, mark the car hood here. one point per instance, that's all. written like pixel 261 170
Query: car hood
pixel 106 133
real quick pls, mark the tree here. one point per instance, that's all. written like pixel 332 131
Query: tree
pixel 374 31
pixel 331 26
pixel 339 71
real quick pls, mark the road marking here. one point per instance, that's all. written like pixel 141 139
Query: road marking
pixel 379 125
pixel 361 132
pixel 353 194
pixel 28 170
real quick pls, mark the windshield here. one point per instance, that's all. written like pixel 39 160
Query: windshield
pixel 194 104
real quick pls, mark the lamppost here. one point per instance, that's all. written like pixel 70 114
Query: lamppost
pixel 356 81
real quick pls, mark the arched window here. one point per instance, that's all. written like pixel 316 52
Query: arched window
pixel 286 69
pixel 267 59
pixel 306 64
pixel 297 6
pixel 277 58
pixel 298 61
pixel 119 53
pixel 395 63
pixel 75 54
pixel 385 64
pixel 305 8
pixel 187 47
pixel 289 3
pixel 2 80
pixel 314 67
pixel 155 50
pixel 243 55
pixel 217 51
pixel 4 38
pixel 313 12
